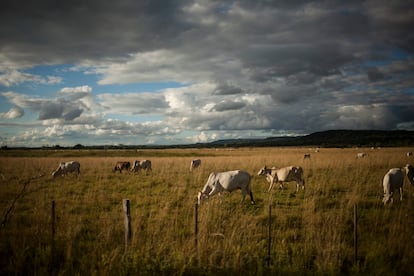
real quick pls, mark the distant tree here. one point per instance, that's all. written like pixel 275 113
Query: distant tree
pixel 78 146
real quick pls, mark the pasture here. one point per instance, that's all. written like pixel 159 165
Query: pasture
pixel 311 231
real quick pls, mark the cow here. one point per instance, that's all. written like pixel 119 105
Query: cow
pixel 67 167
pixel 143 164
pixel 281 175
pixel 226 181
pixel 361 155
pixel 306 156
pixel 121 165
pixel 394 179
pixel 409 153
pixel 195 164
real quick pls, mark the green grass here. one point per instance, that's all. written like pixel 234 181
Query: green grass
pixel 311 231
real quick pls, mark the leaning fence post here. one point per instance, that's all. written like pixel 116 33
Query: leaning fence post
pixel 127 222
pixel 355 234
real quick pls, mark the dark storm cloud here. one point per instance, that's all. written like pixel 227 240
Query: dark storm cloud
pixel 61 31
pixel 374 74
pixel 225 89
pixel 298 66
pixel 228 105
pixel 270 38
pixel 59 110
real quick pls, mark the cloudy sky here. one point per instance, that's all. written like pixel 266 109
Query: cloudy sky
pixel 177 71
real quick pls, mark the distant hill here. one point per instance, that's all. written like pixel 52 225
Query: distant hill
pixel 330 138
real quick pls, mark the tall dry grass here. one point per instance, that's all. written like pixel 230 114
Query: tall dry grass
pixel 311 231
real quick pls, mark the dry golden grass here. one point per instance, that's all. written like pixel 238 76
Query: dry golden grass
pixel 311 231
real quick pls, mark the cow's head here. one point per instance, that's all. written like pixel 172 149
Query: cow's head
pixel 201 197
pixel 409 171
pixel 263 171
pixel 57 172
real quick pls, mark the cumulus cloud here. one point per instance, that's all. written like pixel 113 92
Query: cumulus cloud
pixel 13 113
pixel 243 66
pixel 65 107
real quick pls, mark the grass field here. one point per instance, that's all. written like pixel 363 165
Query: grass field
pixel 312 232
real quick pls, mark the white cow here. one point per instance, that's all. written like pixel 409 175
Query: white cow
pixel 226 181
pixel 394 179
pixel 361 155
pixel 306 156
pixel 143 164
pixel 281 175
pixel 67 167
pixel 195 164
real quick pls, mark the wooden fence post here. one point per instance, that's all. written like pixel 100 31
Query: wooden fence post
pixel 196 226
pixel 127 222
pixel 269 237
pixel 53 230
pixel 355 234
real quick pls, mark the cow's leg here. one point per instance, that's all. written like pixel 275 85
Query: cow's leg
pixel 385 199
pixel 215 191
pixel 401 193
pixel 245 191
pixel 251 197
pixel 270 187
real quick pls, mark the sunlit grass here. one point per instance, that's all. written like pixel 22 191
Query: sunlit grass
pixel 311 231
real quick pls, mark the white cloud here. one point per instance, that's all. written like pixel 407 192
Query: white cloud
pixel 245 66
pixel 78 89
pixel 15 77
pixel 13 113
pixel 202 137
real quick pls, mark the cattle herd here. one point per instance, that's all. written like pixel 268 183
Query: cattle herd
pixel 229 181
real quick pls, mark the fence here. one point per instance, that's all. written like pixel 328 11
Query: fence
pixel 128 231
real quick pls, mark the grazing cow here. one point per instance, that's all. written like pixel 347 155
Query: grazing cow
pixel 409 153
pixel 394 179
pixel 143 164
pixel 121 165
pixel 306 156
pixel 67 167
pixel 281 175
pixel 195 164
pixel 226 181
pixel 361 155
